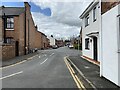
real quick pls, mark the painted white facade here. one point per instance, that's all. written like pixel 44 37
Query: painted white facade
pixel 93 27
pixel 108 39
pixel 52 40
pixel 110 48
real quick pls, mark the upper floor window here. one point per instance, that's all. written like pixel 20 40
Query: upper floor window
pixel 87 22
pixel 94 14
pixel 10 23
pixel 87 43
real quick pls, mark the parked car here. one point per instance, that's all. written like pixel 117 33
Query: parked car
pixel 54 46
pixel 71 46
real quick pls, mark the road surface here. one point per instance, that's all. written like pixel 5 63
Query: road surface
pixel 45 70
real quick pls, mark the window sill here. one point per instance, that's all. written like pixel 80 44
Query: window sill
pixel 9 29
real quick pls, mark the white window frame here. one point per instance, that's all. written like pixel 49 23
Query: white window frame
pixel 87 20
pixel 11 23
pixel 87 43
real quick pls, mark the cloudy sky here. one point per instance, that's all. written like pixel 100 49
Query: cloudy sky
pixel 59 18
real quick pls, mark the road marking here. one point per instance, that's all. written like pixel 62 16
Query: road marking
pixel 52 54
pixel 13 65
pixel 11 75
pixel 76 79
pixel 86 67
pixel 44 61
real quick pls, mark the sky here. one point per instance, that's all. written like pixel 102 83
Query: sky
pixel 59 18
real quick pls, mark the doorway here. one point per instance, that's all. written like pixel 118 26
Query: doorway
pixel 17 48
pixel 95 49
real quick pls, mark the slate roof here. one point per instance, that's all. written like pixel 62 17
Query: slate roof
pixel 11 10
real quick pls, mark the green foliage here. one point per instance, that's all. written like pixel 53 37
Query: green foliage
pixel 76 46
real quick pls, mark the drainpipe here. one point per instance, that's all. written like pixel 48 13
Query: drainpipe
pixel 25 48
pixel 28 37
pixel 100 36
pixel 4 18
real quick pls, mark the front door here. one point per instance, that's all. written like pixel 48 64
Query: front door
pixel 95 49
pixel 17 48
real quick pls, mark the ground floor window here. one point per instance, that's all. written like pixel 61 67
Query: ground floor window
pixel 9 40
pixel 87 44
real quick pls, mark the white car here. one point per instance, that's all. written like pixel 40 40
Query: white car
pixel 71 46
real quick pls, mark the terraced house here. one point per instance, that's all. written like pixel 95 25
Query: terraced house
pixel 101 37
pixel 18 33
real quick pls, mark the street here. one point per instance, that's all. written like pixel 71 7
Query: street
pixel 45 70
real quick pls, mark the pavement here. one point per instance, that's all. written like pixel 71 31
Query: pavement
pixel 91 72
pixel 17 59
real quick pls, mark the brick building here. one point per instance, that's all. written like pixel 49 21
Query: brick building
pixel 18 33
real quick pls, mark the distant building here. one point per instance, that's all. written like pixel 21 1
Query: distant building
pixel 60 43
pixel 52 40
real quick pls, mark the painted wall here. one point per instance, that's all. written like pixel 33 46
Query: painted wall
pixel 52 41
pixel 110 62
pixel 92 27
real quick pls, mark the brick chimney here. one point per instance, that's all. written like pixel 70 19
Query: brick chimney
pixel 27 6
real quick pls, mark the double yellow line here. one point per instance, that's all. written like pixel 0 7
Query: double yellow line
pixel 75 77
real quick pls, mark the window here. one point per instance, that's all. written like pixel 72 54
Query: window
pixel 9 40
pixel 94 14
pixel 87 20
pixel 10 23
pixel 87 43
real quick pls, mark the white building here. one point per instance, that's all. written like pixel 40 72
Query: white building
pixel 90 31
pixel 52 41
pixel 101 39
pixel 111 45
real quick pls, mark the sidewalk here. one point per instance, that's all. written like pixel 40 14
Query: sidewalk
pixel 92 73
pixel 17 59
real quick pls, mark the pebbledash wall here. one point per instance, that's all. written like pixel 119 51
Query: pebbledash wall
pixel 110 45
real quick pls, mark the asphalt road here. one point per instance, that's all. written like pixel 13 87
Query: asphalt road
pixel 45 70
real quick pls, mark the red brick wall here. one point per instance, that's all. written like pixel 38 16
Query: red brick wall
pixel 38 40
pixel 108 5
pixel 8 51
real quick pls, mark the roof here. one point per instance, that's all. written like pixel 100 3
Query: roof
pixel 91 5
pixel 11 10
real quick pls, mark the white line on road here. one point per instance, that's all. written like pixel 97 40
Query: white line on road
pixel 52 54
pixel 11 75
pixel 44 61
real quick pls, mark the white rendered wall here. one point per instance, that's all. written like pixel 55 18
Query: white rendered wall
pixel 52 41
pixel 92 27
pixel 110 45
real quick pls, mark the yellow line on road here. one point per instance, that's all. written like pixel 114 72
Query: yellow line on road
pixel 76 79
